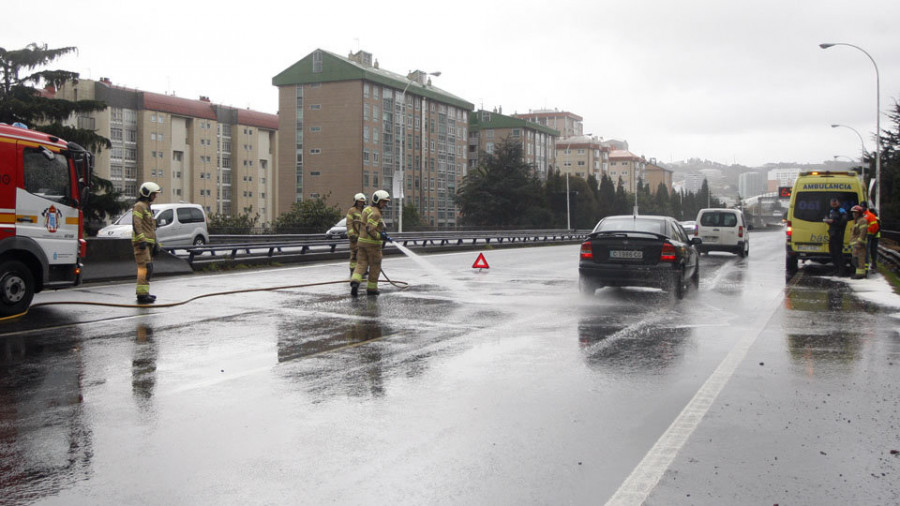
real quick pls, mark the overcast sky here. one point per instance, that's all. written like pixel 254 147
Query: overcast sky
pixel 729 81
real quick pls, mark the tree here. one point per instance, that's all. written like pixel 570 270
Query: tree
pixel 411 217
pixel 103 202
pixel 22 102
pixel 890 170
pixel 606 197
pixel 502 191
pixel 241 224
pixel 621 203
pixel 308 217
pixel 662 200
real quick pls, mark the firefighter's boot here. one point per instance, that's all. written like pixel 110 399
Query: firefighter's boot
pixel 354 288
pixel 146 299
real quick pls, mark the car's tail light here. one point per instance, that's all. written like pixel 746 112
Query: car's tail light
pixel 741 231
pixel 696 230
pixel 587 253
pixel 668 254
pixel 787 228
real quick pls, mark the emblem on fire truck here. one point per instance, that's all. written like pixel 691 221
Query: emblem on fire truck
pixel 52 215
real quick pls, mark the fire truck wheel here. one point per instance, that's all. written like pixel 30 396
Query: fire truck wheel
pixel 16 287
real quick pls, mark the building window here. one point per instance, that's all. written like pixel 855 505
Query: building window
pixel 315 107
pixel 317 60
pixel 315 151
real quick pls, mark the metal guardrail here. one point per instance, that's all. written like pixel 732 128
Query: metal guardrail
pixel 298 248
pixel 889 257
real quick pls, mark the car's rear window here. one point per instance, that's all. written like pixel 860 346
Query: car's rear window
pixel 813 206
pixel 632 224
pixel 718 219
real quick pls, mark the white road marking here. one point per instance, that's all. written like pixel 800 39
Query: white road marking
pixel 644 478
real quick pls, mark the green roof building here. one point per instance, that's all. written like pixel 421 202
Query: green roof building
pixel 538 142
pixel 347 126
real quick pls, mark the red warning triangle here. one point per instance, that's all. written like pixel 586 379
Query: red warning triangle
pixel 480 262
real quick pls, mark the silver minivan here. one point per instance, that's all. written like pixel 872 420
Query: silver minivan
pixel 723 230
pixel 177 225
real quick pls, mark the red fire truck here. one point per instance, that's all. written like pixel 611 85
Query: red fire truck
pixel 44 182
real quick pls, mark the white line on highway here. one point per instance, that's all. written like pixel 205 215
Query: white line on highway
pixel 644 478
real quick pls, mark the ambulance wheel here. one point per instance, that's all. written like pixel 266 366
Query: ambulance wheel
pixel 16 288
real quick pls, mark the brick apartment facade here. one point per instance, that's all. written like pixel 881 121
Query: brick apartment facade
pixel 345 123
pixel 219 157
pixel 487 128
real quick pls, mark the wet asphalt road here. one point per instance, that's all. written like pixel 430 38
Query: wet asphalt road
pixel 502 386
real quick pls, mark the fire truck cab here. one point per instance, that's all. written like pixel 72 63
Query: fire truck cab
pixel 44 182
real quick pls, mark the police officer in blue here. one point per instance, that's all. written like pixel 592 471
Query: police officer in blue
pixel 837 225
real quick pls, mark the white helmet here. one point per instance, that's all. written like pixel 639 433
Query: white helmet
pixel 358 197
pixel 380 195
pixel 148 188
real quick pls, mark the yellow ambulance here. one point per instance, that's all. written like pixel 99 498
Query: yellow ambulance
pixel 807 234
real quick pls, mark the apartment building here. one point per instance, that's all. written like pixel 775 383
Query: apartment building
pixel 566 123
pixel 217 156
pixel 751 184
pixel 348 126
pixel 582 156
pixel 626 166
pixel 655 173
pixel 487 128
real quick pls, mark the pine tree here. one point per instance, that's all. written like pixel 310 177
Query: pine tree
pixel 21 101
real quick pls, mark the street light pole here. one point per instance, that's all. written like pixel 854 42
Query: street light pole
pixel 400 189
pixel 861 143
pixel 877 118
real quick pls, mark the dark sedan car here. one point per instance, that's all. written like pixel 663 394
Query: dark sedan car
pixel 651 251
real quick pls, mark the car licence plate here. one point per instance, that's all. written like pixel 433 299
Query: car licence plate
pixel 626 253
pixel 711 238
pixel 809 247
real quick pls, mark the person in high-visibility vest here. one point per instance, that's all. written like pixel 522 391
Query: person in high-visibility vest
pixel 354 223
pixel 873 233
pixel 371 239
pixel 143 239
pixel 859 228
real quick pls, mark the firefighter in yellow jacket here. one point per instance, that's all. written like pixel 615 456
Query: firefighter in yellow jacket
pixel 859 229
pixel 143 239
pixel 371 240
pixel 354 223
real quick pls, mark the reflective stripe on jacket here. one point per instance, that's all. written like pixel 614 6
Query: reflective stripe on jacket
pixel 354 222
pixel 372 226
pixel 143 226
pixel 858 232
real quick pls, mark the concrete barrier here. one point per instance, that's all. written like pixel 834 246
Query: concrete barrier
pixel 113 259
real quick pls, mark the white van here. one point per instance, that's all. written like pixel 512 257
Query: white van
pixel 723 230
pixel 177 225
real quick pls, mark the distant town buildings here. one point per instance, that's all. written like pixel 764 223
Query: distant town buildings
pixel 582 156
pixel 655 173
pixel 539 146
pixel 217 156
pixel 781 177
pixel 751 184
pixel 566 123
pixel 344 126
pixel 626 166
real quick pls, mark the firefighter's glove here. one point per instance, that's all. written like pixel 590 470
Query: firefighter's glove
pixel 142 245
pixel 155 249
pixel 386 238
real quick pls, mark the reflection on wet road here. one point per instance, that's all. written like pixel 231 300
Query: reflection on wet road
pixel 502 386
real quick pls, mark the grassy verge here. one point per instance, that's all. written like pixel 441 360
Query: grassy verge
pixel 891 277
